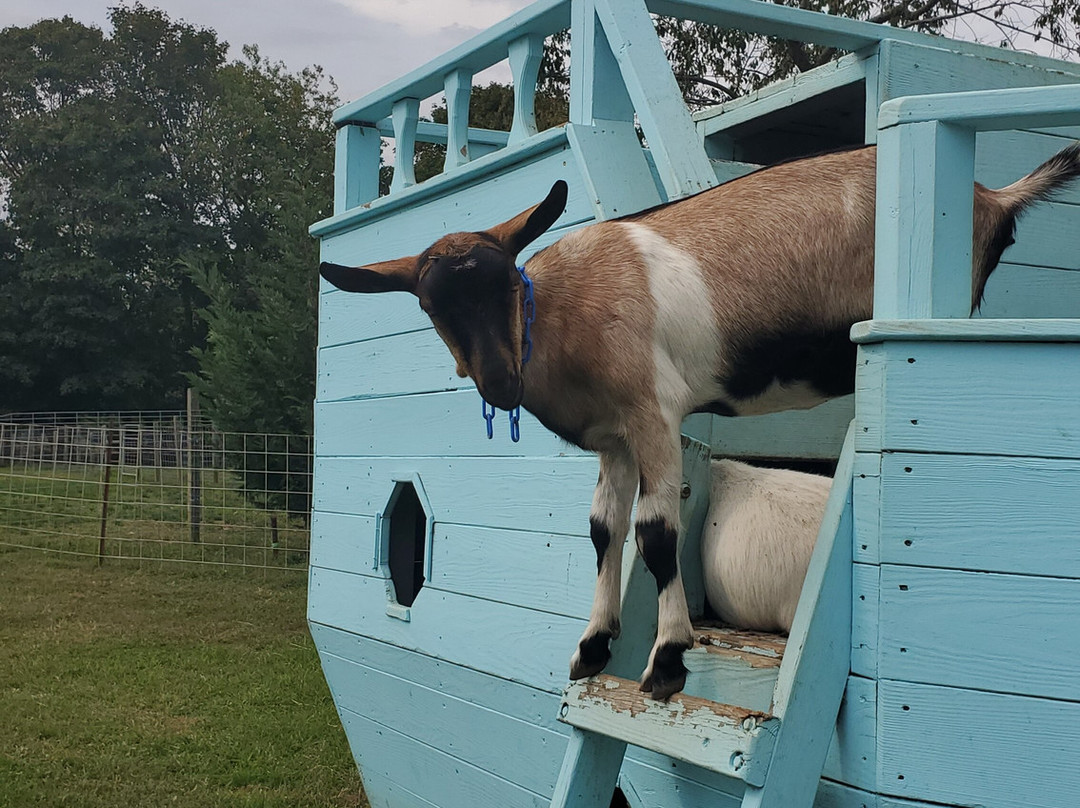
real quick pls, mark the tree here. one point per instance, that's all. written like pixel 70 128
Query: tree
pixel 125 161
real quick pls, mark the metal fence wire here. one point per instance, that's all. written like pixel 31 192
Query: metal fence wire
pixel 153 488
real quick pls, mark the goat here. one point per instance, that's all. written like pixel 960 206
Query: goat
pixel 735 301
pixel 759 533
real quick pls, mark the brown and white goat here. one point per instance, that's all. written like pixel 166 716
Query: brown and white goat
pixel 735 301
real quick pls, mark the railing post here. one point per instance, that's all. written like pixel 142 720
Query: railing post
pixel 457 87
pixel 925 178
pixel 525 56
pixel 406 114
pixel 356 166
pixel 597 91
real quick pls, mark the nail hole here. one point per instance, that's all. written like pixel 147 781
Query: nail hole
pixel 903 651
pixel 911 360
pixel 915 421
pixel 907 469
pixel 862 597
pixel 907 542
pixel 864 546
pixel 903 587
pixel 899 777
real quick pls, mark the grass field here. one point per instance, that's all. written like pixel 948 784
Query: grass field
pixel 123 687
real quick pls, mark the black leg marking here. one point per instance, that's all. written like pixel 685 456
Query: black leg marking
pixel 601 538
pixel 592 656
pixel 658 544
pixel 668 675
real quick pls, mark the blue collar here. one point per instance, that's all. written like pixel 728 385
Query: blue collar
pixel 528 312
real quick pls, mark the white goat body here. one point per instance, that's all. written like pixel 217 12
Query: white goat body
pixel 757 541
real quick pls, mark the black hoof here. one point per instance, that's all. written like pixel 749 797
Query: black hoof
pixel 592 656
pixel 668 674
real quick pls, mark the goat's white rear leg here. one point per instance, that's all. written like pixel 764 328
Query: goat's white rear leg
pixel 657 533
pixel 609 522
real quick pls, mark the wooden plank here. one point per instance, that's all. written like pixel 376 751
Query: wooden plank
pixel 981 513
pixel 597 90
pixel 514 643
pixel 865 625
pixel 983 398
pixel 988 109
pixel 414 362
pixel 430 773
pixel 964 330
pixel 356 167
pixel 537 707
pixel 908 69
pixel 1048 237
pixel 343 542
pixel 817 433
pixel 1002 158
pixel 542 571
pixel 348 317
pixel 680 157
pixel 1007 633
pixel 923 226
pixel 1023 291
pixel 383 793
pixel 963 747
pixel 814 672
pixel 866 508
pixel 853 752
pixel 534 164
pixel 613 167
pixel 526 755
pixel 551 495
pixel 445 423
pixel 589 771
pixel 722 738
pixel 649 780
pixel 781 95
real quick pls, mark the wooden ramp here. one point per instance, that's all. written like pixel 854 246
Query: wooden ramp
pixel 755 708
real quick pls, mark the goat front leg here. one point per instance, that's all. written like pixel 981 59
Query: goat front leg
pixel 660 461
pixel 609 522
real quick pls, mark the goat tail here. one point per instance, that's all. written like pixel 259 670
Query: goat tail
pixel 1059 170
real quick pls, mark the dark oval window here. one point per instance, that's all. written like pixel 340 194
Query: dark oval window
pixel 407 543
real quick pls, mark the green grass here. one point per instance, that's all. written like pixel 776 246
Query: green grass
pixel 123 688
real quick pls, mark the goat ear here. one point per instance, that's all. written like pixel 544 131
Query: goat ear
pixel 398 275
pixel 520 231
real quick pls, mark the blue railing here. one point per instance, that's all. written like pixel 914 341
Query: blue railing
pixel 926 168
pixel 618 74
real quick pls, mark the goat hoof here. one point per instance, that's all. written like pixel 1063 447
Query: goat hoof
pixel 591 657
pixel 666 676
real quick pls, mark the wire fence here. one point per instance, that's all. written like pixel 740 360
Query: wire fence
pixel 154 488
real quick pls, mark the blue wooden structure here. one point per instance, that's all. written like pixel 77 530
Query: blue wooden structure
pixel 451 575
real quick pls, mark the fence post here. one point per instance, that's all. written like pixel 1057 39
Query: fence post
pixel 194 458
pixel 108 458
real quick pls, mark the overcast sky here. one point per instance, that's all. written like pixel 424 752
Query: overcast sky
pixel 361 43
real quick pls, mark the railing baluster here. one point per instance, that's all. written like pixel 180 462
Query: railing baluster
pixel 356 166
pixel 405 115
pixel 525 55
pixel 458 88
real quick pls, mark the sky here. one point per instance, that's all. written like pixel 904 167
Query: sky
pixel 362 44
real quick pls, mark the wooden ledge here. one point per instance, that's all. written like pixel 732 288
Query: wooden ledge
pixel 966 331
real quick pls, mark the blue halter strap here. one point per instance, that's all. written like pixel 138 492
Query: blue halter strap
pixel 528 310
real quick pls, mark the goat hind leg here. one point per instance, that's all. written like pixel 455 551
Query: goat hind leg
pixel 609 522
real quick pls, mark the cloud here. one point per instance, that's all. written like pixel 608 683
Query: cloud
pixel 421 17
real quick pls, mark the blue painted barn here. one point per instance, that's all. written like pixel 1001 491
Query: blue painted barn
pixel 451 575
